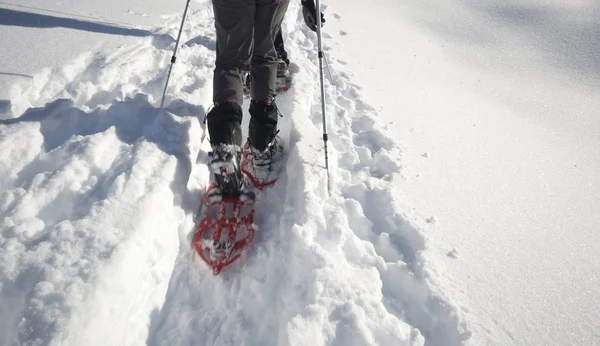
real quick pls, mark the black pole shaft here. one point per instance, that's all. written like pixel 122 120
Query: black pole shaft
pixel 174 57
pixel 325 137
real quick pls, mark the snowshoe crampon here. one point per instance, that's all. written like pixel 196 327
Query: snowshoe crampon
pixel 226 228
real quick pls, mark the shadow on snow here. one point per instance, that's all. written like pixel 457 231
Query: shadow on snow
pixel 36 20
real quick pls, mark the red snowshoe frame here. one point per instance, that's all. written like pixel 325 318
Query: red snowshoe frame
pixel 226 229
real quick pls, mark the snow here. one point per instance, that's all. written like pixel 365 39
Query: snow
pixel 41 37
pixel 495 106
pixel 463 160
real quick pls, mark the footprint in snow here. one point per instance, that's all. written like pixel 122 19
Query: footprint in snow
pixel 453 253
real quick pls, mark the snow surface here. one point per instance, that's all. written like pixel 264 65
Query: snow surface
pixel 463 158
pixel 495 105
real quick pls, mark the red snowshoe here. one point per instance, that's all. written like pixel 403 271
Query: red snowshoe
pixel 226 228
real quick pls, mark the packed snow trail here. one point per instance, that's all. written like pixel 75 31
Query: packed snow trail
pixel 101 190
pixel 307 276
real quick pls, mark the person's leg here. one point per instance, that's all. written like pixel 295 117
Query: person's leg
pixel 269 15
pixel 263 124
pixel 234 23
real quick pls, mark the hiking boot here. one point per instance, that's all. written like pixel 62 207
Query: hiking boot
pixel 225 168
pixel 262 167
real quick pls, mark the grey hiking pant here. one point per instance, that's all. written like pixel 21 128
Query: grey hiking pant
pixel 246 31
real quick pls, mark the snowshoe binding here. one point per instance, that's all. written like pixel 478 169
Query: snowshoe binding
pixel 224 165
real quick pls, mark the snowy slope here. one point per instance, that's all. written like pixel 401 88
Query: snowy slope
pixel 38 35
pixel 100 189
pixel 495 104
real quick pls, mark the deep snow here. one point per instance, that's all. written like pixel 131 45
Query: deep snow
pixel 462 156
pixel 495 105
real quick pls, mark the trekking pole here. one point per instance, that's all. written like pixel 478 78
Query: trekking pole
pixel 320 47
pixel 174 57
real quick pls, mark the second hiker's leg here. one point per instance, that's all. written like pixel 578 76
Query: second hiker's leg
pixel 263 124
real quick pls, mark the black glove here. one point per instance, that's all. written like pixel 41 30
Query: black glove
pixel 310 14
